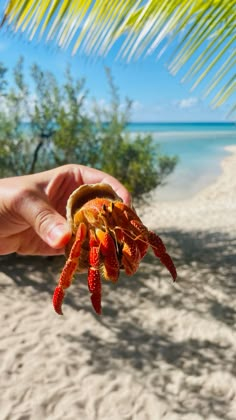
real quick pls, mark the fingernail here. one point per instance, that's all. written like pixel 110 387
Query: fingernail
pixel 58 236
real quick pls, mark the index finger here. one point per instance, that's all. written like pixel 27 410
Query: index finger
pixel 71 176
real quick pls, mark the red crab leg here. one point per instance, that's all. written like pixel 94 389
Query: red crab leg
pixel 159 250
pixel 109 253
pixel 103 245
pixel 141 232
pixel 69 269
pixel 143 237
pixel 94 281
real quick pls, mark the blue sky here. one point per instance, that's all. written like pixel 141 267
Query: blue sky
pixel 156 95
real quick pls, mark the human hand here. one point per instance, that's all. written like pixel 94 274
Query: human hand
pixel 32 208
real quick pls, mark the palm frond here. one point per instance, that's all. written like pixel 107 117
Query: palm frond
pixel 204 31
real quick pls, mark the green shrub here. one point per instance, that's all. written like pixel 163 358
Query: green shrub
pixel 59 130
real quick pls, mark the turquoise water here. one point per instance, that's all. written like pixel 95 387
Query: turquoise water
pixel 181 127
pixel 200 148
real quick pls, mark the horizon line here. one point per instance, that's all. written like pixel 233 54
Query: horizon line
pixel 181 122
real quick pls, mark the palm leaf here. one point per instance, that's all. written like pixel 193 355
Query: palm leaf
pixel 204 32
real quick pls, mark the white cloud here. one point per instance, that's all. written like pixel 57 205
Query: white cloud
pixel 187 102
pixel 137 106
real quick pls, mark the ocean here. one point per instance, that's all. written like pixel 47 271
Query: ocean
pixel 200 148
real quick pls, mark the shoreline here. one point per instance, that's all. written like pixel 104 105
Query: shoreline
pixel 193 134
pixel 184 185
pixel 213 207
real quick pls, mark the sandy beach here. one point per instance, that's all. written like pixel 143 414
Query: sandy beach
pixel 159 351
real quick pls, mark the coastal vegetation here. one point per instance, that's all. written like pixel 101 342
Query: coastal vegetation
pixel 51 124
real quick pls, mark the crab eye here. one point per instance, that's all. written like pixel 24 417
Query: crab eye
pixel 110 208
pixel 107 210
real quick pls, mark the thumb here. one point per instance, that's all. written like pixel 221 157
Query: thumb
pixel 45 220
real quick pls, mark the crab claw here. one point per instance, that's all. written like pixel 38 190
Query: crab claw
pixel 159 250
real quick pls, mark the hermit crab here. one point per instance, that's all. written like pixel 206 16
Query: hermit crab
pixel 107 236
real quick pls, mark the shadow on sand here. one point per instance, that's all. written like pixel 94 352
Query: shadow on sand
pixel 206 263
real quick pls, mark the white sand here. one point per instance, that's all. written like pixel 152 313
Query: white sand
pixel 160 351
